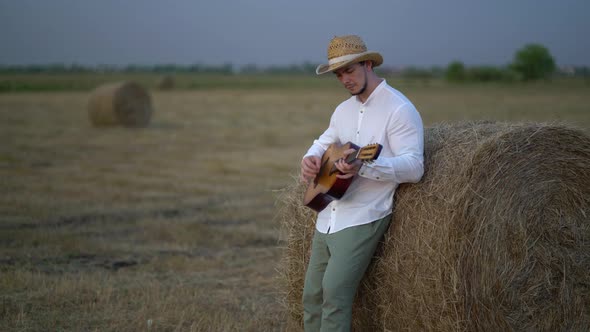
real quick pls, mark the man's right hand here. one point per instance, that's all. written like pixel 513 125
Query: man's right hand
pixel 310 166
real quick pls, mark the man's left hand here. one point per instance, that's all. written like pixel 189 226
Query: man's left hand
pixel 348 170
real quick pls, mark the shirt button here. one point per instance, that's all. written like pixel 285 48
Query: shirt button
pixel 333 209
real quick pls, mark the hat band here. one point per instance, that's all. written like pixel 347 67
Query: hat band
pixel 346 58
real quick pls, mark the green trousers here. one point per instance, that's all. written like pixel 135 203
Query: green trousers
pixel 337 264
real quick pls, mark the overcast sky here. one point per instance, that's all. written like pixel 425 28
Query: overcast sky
pixel 279 32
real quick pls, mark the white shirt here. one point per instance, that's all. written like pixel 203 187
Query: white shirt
pixel 389 118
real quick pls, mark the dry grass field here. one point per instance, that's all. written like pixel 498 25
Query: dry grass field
pixel 172 227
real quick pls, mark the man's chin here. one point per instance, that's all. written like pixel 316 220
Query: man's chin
pixel 357 91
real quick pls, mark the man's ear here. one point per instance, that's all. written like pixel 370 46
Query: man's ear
pixel 369 64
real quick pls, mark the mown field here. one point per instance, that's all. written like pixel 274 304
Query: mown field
pixel 172 227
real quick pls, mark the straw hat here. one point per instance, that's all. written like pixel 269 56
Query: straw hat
pixel 345 50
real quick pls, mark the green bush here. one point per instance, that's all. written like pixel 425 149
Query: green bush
pixel 491 74
pixel 417 73
pixel 455 72
pixel 533 62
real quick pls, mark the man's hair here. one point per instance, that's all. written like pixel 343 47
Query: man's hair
pixel 362 63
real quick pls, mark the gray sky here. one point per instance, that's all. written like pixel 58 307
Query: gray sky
pixel 280 32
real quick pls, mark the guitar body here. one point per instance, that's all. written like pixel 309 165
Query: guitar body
pixel 317 200
pixel 326 187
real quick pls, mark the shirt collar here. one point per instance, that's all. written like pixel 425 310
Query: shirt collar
pixel 376 91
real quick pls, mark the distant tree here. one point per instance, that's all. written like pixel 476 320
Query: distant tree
pixel 491 74
pixel 455 71
pixel 533 62
pixel 413 72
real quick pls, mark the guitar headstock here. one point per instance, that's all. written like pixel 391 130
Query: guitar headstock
pixel 369 152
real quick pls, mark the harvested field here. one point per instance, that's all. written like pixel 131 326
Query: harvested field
pixel 173 226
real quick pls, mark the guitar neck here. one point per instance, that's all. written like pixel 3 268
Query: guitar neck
pixel 367 153
pixel 351 157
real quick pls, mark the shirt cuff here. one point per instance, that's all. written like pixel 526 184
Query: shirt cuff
pixel 369 171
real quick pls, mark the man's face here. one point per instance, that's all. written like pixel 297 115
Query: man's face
pixel 353 77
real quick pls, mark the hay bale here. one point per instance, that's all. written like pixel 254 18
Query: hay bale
pixel 495 237
pixel 123 103
pixel 167 83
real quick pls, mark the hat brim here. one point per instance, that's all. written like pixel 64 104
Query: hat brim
pixel 373 56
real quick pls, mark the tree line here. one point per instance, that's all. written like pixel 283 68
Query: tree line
pixel 227 69
pixel 532 62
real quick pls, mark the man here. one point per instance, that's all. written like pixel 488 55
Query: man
pixel 348 230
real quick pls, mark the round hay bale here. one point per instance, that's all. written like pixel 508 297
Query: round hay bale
pixel 122 103
pixel 496 236
pixel 167 83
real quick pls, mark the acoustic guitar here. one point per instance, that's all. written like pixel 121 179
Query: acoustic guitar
pixel 326 187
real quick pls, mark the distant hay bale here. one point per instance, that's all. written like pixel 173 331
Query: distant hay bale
pixel 123 103
pixel 167 83
pixel 495 237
